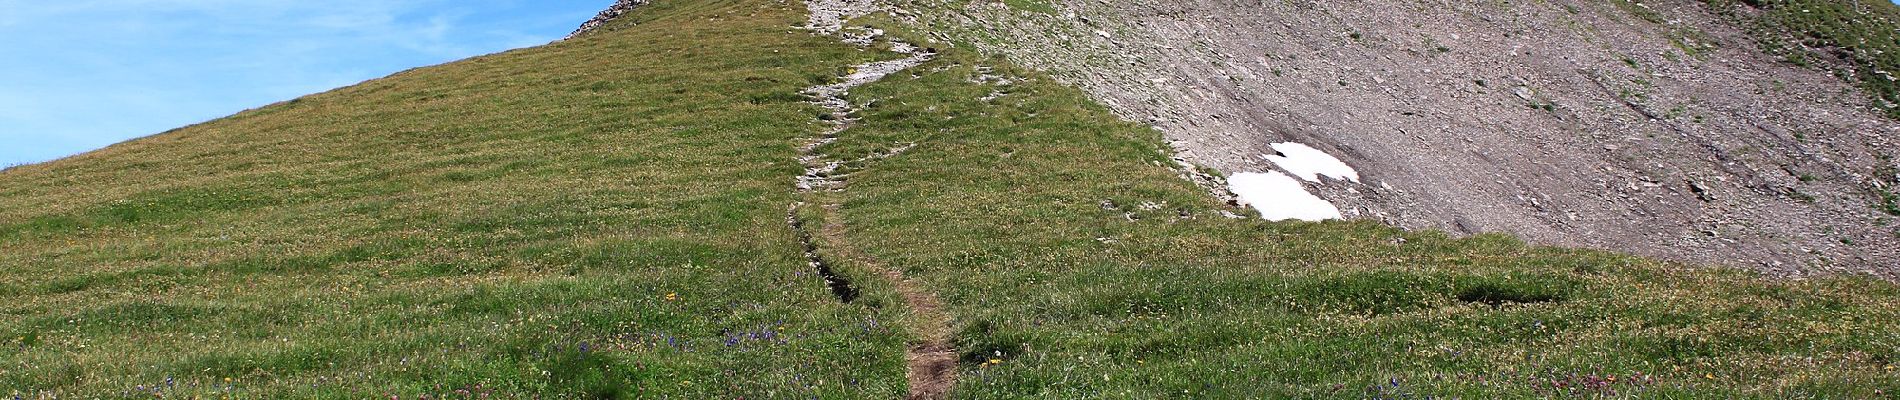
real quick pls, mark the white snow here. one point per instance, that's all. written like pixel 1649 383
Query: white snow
pixel 1309 163
pixel 1279 197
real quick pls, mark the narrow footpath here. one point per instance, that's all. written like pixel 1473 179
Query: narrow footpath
pixel 932 361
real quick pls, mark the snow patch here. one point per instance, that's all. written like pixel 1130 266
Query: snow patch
pixel 1309 163
pixel 1279 197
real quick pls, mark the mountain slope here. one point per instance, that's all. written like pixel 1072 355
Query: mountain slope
pixel 600 213
pixel 1658 127
pixel 1084 268
pixel 606 217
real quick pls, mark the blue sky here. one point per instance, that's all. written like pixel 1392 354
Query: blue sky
pixel 77 75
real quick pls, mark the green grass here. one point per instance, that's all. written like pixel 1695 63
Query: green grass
pixel 606 218
pixel 1041 6
pixel 510 225
pixel 1690 41
pixel 998 210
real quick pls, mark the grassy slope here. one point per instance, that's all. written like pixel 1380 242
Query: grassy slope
pixel 999 208
pixel 475 223
pixel 453 227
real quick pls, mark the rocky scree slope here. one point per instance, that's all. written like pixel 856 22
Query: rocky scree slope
pixel 619 9
pixel 1657 127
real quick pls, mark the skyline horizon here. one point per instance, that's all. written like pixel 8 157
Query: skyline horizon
pixel 34 129
pixel 90 75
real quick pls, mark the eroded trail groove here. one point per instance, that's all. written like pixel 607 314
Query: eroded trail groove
pixel 931 362
pixel 840 286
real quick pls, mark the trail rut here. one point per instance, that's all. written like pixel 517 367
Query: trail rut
pixel 932 361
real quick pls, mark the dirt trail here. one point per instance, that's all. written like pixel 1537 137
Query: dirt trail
pixel 932 363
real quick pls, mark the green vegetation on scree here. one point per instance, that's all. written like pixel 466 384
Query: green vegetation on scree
pixel 605 218
pixel 1859 36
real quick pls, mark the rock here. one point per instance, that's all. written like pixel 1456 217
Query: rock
pixel 621 7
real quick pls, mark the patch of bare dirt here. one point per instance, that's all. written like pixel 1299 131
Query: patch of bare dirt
pixel 933 362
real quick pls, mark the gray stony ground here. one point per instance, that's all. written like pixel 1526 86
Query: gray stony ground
pixel 620 7
pixel 1567 122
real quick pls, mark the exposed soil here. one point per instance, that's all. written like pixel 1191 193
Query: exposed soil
pixel 841 287
pixel 1651 127
pixel 933 362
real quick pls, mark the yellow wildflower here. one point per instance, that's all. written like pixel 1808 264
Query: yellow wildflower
pixel 672 296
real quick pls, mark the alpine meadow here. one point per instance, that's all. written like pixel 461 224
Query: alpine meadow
pixel 842 199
